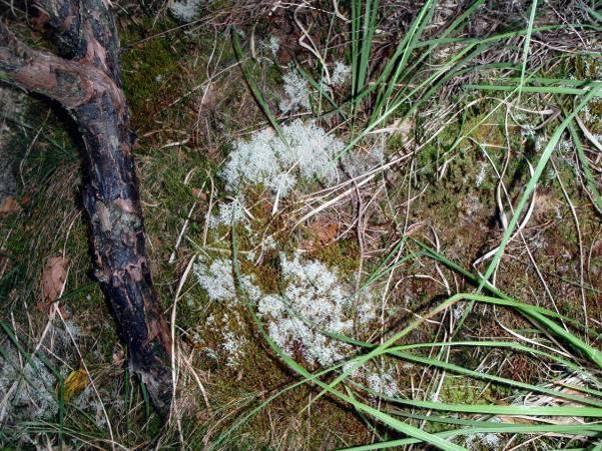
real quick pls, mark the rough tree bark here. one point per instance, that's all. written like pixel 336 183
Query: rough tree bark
pixel 85 80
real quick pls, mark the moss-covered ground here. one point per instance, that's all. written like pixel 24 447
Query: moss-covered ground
pixel 190 103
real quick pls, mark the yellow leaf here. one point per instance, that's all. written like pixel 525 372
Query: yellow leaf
pixel 75 383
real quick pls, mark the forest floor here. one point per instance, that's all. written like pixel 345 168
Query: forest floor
pixel 422 183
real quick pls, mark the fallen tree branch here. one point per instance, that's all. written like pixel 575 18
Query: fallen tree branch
pixel 85 81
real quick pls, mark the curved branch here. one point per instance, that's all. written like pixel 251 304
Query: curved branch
pixel 68 82
pixel 64 18
pixel 85 31
pixel 89 89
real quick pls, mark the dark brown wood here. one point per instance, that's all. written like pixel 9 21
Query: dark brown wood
pixel 85 80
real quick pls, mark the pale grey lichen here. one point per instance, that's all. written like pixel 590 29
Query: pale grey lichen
pixel 482 174
pixel 489 441
pixel 312 305
pixel 269 243
pixel 382 383
pixel 233 345
pixel 359 162
pixel 229 214
pixel 366 308
pixel 88 401
pixel 185 10
pixel 308 152
pixel 217 280
pixel 296 93
pixel 27 388
pixel 313 301
pixel 273 45
pixel 340 74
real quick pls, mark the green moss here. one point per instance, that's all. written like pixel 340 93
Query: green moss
pixel 460 162
pixel 343 255
pixel 486 129
pixel 590 68
pixel 148 71
pixel 459 390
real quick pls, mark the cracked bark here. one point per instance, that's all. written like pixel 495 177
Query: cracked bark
pixel 85 80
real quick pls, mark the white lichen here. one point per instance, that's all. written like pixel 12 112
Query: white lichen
pixel 359 162
pixel 296 92
pixel 528 131
pixel 337 76
pixel 88 401
pixel 233 345
pixel 309 152
pixel 458 311
pixel 218 281
pixel 229 214
pixel 27 388
pixel 382 383
pixel 185 10
pixel 312 305
pixel 313 301
pixel 340 74
pixel 366 309
pixel 482 174
pixel 269 243
pixel 488 441
pixel 273 45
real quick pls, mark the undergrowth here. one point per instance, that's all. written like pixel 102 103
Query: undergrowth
pixel 372 224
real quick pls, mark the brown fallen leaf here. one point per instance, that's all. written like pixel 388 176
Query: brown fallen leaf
pixel 324 230
pixel 9 205
pixel 53 278
pixel 322 233
pixel 199 194
pixel 118 356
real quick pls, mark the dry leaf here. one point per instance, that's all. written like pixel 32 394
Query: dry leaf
pixel 118 356
pixel 10 205
pixel 323 232
pixel 199 194
pixel 75 383
pixel 53 278
pixel 405 128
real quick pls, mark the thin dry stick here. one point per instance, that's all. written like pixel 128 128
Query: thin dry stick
pixel 529 253
pixel 172 257
pixel 174 371
pixel 580 240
